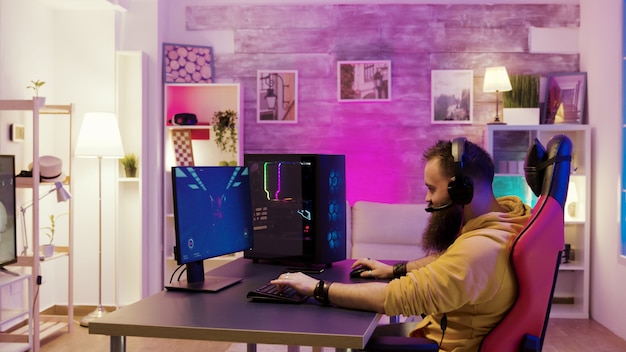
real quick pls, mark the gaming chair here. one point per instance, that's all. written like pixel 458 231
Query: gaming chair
pixel 535 257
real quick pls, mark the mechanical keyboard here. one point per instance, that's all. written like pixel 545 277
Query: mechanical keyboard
pixel 270 293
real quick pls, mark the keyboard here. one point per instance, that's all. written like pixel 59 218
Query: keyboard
pixel 270 293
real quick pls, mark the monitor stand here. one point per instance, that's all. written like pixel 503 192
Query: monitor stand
pixel 198 281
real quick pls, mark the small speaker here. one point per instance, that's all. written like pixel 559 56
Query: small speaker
pixel 185 119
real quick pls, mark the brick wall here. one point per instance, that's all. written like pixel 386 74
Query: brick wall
pixel 382 141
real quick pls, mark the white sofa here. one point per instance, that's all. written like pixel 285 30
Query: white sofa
pixel 385 231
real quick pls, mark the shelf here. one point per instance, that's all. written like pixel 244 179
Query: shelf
pixel 572 266
pixel 129 179
pixel 27 182
pixel 38 109
pixel 189 127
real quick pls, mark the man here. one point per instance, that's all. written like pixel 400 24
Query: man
pixel 466 282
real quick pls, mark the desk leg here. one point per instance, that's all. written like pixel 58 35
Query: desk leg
pixel 251 347
pixel 118 343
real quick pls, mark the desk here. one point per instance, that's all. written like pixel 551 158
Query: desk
pixel 229 316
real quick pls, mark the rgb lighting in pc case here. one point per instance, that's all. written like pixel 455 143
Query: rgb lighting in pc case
pixel 299 208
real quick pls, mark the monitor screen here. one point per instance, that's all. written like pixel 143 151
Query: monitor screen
pixel 8 231
pixel 212 214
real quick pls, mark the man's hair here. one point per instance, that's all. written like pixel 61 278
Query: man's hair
pixel 477 163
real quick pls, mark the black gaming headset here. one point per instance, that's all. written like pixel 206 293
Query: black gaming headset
pixel 460 188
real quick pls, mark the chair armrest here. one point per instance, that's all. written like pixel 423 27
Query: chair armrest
pixel 531 343
pixel 400 343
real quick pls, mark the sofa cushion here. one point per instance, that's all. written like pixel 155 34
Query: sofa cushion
pixel 387 231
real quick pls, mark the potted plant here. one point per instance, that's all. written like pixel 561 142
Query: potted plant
pixel 521 103
pixel 35 85
pixel 225 128
pixel 48 248
pixel 130 162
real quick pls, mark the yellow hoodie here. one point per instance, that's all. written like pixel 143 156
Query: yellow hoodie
pixel 472 282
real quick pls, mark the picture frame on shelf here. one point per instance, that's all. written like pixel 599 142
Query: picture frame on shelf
pixel 452 96
pixel 565 98
pixel 277 96
pixel 184 63
pixel 363 81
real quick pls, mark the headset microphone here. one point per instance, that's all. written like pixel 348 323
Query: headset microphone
pixel 443 207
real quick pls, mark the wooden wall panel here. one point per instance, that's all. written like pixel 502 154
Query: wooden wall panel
pixel 383 141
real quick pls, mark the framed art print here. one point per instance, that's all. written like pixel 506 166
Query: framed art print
pixel 277 96
pixel 359 81
pixel 187 63
pixel 452 96
pixel 565 100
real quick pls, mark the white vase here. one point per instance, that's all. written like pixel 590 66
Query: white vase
pixel 521 116
pixel 47 250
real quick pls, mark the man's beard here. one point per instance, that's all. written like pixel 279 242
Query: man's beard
pixel 443 228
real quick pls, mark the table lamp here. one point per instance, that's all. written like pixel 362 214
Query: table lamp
pixel 99 137
pixel 62 196
pixel 496 80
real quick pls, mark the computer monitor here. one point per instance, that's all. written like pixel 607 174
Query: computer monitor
pixel 8 230
pixel 212 217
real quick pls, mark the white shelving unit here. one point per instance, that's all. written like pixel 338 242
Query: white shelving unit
pixel 203 100
pixel 131 236
pixel 36 329
pixel 508 145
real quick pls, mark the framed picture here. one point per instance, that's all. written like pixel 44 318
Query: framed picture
pixel 452 96
pixel 359 81
pixel 277 96
pixel 17 132
pixel 565 99
pixel 187 63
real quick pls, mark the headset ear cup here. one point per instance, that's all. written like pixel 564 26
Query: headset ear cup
pixel 461 191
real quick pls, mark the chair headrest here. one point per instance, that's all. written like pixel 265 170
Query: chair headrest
pixel 547 169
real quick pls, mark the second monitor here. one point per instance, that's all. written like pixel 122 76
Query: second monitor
pixel 299 208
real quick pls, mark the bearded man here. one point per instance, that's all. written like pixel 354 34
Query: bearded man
pixel 465 284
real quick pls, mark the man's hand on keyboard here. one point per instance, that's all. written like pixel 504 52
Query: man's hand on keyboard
pixel 302 283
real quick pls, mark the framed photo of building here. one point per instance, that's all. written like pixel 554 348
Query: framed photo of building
pixel 452 96
pixel 277 96
pixel 360 81
pixel 187 63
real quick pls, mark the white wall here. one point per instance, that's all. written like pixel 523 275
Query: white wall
pixel 73 51
pixel 602 60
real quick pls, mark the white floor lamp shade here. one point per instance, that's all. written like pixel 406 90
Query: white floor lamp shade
pixel 99 137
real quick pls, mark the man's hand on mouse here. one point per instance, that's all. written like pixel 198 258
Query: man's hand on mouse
pixel 378 270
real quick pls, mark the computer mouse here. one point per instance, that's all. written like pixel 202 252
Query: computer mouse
pixel 356 272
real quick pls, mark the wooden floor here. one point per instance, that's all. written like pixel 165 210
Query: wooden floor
pixel 571 335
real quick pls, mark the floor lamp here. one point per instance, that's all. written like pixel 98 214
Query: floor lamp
pixel 99 137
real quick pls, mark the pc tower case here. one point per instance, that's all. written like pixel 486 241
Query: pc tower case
pixel 299 208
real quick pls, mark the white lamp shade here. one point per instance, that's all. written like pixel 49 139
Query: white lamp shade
pixel 496 80
pixel 99 136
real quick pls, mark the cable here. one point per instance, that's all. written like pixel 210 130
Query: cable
pixel 181 273
pixel 174 272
